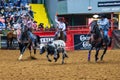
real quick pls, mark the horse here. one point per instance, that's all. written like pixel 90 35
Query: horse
pixel 60 35
pixel 54 48
pixel 26 42
pixel 97 41
pixel 11 35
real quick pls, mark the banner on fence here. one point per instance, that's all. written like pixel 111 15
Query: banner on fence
pixel 3 41
pixel 46 39
pixel 81 42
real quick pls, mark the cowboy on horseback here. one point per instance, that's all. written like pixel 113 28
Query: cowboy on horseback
pixel 98 37
pixel 29 32
pixel 61 26
pixel 104 25
pixel 27 29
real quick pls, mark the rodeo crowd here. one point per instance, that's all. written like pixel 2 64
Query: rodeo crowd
pixel 14 13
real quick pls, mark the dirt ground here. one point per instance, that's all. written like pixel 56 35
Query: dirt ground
pixel 76 67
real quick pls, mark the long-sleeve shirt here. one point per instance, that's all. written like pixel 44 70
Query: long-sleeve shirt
pixel 103 24
pixel 61 25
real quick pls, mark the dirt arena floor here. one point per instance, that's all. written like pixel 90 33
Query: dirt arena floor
pixel 76 67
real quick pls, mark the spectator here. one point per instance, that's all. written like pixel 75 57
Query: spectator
pixel 35 26
pixel 31 12
pixel 47 28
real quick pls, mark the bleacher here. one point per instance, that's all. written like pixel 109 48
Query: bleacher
pixel 40 14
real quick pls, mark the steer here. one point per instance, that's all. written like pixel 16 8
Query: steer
pixel 54 48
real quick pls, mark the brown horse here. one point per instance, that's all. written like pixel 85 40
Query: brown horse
pixel 60 36
pixel 11 35
pixel 96 41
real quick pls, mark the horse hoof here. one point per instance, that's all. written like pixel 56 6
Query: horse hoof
pixel 50 60
pixel 33 58
pixel 89 59
pixel 19 59
pixel 101 59
pixel 55 59
pixel 62 62
pixel 96 59
pixel 66 56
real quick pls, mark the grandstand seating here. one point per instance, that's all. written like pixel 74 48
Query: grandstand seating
pixel 40 14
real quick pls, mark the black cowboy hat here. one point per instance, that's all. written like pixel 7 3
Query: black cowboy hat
pixel 102 15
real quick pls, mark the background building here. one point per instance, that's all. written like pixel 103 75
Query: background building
pixel 79 12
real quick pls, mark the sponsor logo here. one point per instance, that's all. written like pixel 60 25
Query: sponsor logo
pixel 84 37
pixel 46 39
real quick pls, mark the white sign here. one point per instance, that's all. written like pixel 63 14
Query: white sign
pixel 111 9
pixel 46 39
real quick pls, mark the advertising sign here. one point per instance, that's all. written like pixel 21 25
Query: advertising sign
pixel 46 39
pixel 108 3
pixel 81 42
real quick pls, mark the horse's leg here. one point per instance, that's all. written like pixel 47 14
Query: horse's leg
pixel 105 49
pixel 22 49
pixel 34 51
pixel 11 42
pixel 89 53
pixel 96 55
pixel 47 55
pixel 30 50
pixel 7 43
pixel 35 47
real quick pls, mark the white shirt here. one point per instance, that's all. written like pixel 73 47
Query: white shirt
pixel 61 25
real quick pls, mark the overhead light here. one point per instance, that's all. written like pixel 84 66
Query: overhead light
pixel 95 16
pixel 89 7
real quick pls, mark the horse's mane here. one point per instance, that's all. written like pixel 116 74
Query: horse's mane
pixel 95 32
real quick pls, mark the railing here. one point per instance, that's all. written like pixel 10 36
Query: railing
pixel 81 27
pixel 69 28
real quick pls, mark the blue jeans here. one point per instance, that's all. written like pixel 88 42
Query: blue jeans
pixel 105 35
pixel 31 36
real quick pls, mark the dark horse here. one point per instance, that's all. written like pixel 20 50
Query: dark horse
pixel 60 35
pixel 11 35
pixel 26 42
pixel 96 41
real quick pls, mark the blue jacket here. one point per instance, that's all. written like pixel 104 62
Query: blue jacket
pixel 103 24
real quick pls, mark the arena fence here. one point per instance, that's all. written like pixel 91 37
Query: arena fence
pixel 77 38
